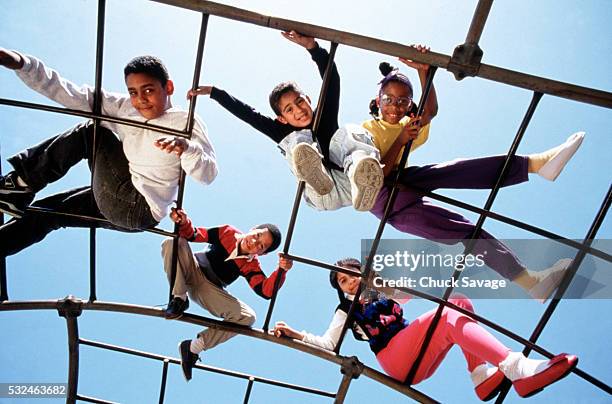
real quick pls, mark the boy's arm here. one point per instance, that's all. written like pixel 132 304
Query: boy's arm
pixel 198 160
pixel 262 285
pixel 191 233
pixel 52 85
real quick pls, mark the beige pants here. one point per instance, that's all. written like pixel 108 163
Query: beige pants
pixel 191 280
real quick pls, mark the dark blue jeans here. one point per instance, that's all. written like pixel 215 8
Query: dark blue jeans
pixel 112 195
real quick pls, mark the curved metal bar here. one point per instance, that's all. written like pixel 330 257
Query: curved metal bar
pixel 222 325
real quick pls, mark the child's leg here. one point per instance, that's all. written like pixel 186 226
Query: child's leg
pixel 222 304
pixel 453 328
pixel 352 148
pixel 305 159
pixel 188 272
pixel 51 159
pixel 411 214
pixel 18 234
pixel 479 173
pixel 338 197
pixel 117 198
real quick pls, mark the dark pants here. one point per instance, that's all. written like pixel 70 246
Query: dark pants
pixel 112 195
pixel 414 215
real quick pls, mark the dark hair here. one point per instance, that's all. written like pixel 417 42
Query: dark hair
pixel 279 90
pixel 391 74
pixel 349 263
pixel 276 236
pixel 150 65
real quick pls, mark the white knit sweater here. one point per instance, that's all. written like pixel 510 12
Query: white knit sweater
pixel 155 173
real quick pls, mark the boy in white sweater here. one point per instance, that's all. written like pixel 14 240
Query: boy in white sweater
pixel 136 170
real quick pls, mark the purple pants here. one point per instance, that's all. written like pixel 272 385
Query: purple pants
pixel 415 215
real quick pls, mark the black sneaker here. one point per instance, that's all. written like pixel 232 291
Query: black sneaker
pixel 14 199
pixel 188 358
pixel 176 308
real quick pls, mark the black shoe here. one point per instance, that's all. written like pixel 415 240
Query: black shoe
pixel 14 199
pixel 176 308
pixel 188 358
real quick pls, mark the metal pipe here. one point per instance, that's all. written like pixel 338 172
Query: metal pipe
pixel 91 115
pixel 500 75
pixel 162 389
pixel 298 195
pixel 206 368
pixel 565 282
pixel 3 284
pixel 388 208
pixel 94 400
pixel 189 129
pixel 247 394
pixel 478 21
pixel 288 342
pixel 478 227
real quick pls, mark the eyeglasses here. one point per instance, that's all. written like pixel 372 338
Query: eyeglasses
pixel 402 102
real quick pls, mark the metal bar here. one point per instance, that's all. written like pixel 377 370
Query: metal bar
pixel 343 389
pixel 162 389
pixel 36 209
pixel 97 109
pixel 513 78
pixel 478 227
pixel 388 208
pixel 207 368
pixel 247 394
pixel 91 115
pixel 94 400
pixel 478 21
pixel 324 265
pixel 3 284
pixel 298 195
pixel 565 282
pixel 189 128
pixel 294 344
pixel 516 223
pixel 70 309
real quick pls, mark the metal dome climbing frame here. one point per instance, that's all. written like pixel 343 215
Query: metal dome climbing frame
pixel 464 62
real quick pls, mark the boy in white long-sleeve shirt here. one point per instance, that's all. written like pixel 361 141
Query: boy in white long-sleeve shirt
pixel 136 170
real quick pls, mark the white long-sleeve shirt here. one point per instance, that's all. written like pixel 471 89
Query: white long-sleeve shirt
pixel 154 172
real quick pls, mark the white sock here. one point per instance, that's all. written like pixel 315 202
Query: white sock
pixel 197 346
pixel 516 366
pixel 182 296
pixel 481 373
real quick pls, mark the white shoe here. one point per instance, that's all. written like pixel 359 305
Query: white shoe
pixel 366 178
pixel 555 165
pixel 309 168
pixel 549 280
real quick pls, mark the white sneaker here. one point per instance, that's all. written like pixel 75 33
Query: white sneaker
pixel 309 168
pixel 549 280
pixel 367 178
pixel 555 165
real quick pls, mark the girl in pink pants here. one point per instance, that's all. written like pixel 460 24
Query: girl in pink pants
pixel 396 343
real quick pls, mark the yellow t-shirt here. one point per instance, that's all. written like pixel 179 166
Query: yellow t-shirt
pixel 384 134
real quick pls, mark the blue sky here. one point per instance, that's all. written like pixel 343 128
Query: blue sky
pixel 556 39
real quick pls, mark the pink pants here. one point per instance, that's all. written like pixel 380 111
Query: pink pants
pixel 477 344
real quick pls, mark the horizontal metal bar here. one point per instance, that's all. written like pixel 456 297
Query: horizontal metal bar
pixel 92 219
pixel 207 368
pixel 497 74
pixel 91 115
